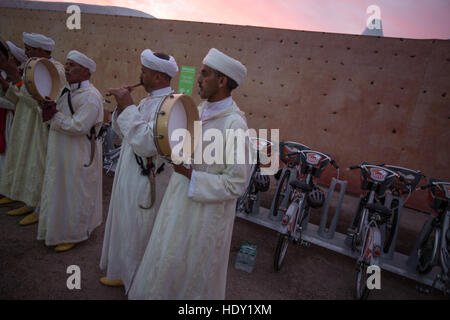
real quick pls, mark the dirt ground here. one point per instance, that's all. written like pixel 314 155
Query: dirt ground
pixel 30 270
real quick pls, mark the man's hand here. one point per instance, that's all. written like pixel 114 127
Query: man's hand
pixel 48 109
pixel 123 97
pixel 4 84
pixel 181 169
pixel 10 68
pixel 48 103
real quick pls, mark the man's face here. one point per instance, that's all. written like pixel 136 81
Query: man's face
pixel 208 82
pixel 34 52
pixel 75 72
pixel 147 78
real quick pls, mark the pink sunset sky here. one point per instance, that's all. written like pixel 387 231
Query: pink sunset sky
pixel 400 18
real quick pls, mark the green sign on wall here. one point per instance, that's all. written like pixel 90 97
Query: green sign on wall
pixel 187 78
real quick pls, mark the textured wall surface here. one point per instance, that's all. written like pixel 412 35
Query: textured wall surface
pixel 358 98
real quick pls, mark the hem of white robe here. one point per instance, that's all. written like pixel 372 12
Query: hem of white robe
pixel 110 275
pixel 77 240
pixel 127 281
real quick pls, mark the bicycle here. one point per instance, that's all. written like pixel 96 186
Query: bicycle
pixel 111 152
pixel 303 196
pixel 365 226
pixel 291 159
pixel 373 220
pixel 434 246
pixel 257 182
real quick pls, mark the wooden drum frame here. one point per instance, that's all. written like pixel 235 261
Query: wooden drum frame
pixel 166 112
pixel 36 79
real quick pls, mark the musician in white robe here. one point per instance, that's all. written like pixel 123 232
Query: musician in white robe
pixel 131 214
pixel 7 112
pixel 23 171
pixel 187 254
pixel 71 200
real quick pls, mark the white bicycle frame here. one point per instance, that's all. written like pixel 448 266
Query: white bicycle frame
pixel 293 213
pixel 371 243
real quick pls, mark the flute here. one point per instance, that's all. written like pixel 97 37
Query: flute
pixel 110 108
pixel 129 87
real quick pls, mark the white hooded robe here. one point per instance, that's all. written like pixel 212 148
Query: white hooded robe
pixel 128 227
pixel 187 254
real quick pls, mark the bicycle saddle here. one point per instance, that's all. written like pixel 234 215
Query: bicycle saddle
pixel 297 184
pixel 379 208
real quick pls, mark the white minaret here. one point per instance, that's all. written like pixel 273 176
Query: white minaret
pixel 375 28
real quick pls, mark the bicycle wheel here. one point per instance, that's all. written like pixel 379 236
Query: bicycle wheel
pixel 280 251
pixel 361 290
pixel 279 196
pixel 357 237
pixel 250 199
pixel 243 202
pixel 427 251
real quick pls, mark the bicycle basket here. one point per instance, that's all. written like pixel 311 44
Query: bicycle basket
pixel 289 152
pixel 263 148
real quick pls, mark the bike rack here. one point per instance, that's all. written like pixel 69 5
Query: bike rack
pixel 323 232
pixel 391 261
pixel 256 205
pixel 388 202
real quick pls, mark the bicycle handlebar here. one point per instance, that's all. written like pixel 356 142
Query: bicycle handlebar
pixel 334 164
pixel 425 187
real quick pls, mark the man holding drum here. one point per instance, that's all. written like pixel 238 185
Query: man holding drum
pixel 71 200
pixel 187 254
pixel 23 172
pixel 131 212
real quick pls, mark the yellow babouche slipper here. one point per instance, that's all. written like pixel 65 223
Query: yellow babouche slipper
pixel 111 283
pixel 19 211
pixel 6 200
pixel 64 247
pixel 29 219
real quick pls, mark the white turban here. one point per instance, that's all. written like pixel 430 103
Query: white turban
pixel 17 52
pixel 149 60
pixel 82 59
pixel 228 66
pixel 36 40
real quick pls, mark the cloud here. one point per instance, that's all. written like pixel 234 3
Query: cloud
pixel 400 18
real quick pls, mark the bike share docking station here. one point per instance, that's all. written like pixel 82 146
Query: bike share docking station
pixel 325 235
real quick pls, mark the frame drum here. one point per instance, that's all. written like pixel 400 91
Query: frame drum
pixel 176 111
pixel 41 79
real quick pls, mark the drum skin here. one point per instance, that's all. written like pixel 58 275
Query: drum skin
pixel 161 127
pixel 29 77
